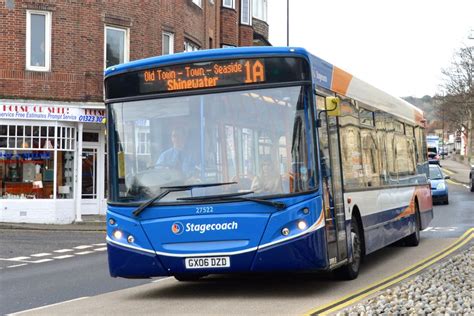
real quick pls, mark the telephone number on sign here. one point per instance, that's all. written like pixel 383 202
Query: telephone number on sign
pixel 90 118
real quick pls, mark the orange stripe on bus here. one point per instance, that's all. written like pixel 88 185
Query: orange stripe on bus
pixel 340 80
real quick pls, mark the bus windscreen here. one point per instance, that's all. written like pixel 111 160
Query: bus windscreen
pixel 205 75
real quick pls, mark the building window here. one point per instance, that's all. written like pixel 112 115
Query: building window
pixel 197 2
pixel 190 46
pixel 228 4
pixel 168 43
pixel 116 46
pixel 38 41
pixel 227 46
pixel 260 9
pixel 245 14
pixel 37 161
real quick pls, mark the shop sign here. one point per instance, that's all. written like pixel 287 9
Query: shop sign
pixel 32 111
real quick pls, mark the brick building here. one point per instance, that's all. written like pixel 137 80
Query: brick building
pixel 52 57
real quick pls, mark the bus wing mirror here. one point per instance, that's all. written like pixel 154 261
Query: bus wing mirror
pixel 333 106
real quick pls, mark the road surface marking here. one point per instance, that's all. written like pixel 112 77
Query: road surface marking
pixel 387 282
pixel 42 260
pixel 99 245
pixel 448 171
pixel 17 265
pixel 63 250
pixel 43 254
pixel 47 306
pixel 63 257
pixel 83 252
pixel 440 229
pixel 17 258
pixel 100 249
pixel 160 280
pixel 83 247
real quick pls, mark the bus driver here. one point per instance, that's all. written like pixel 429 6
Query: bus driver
pixel 177 157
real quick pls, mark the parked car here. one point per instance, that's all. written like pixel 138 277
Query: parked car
pixel 439 188
pixel 471 177
pixel 433 158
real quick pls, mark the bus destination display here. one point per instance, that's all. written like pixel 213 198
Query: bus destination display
pixel 205 75
pixel 202 75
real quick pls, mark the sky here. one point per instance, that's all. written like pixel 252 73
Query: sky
pixel 399 46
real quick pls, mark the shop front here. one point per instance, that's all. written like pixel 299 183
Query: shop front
pixel 52 161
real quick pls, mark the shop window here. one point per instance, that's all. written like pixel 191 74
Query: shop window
pixel 38 40
pixel 27 161
pixel 116 46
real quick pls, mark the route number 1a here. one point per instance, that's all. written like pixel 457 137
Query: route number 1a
pixel 254 72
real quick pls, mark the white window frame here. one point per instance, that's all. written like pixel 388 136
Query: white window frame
pixel 47 40
pixel 194 46
pixel 227 46
pixel 249 16
pixel 198 3
pixel 230 4
pixel 126 49
pixel 171 43
pixel 260 9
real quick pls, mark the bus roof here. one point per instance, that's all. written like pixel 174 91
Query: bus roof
pixel 324 75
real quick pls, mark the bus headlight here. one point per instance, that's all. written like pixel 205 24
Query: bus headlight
pixel 118 234
pixel 285 231
pixel 441 186
pixel 130 239
pixel 302 225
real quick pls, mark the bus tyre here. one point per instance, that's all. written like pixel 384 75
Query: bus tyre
pixel 351 270
pixel 414 239
pixel 188 277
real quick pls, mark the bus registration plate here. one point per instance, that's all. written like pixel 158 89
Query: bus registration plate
pixel 207 262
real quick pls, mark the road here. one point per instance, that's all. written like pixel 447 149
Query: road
pixel 85 276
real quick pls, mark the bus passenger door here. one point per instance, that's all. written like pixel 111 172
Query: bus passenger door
pixel 333 201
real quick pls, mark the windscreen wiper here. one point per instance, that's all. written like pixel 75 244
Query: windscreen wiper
pixel 235 196
pixel 176 188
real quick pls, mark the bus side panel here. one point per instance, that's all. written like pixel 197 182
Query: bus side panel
pixel 387 215
pixel 425 204
pixel 304 253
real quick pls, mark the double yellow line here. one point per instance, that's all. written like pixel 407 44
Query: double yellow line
pixel 385 283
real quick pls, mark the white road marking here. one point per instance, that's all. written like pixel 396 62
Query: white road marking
pixel 63 250
pixel 43 254
pixel 160 280
pixel 440 229
pixel 17 265
pixel 47 306
pixel 102 244
pixel 83 253
pixel 100 249
pixel 83 247
pixel 42 260
pixel 63 257
pixel 17 258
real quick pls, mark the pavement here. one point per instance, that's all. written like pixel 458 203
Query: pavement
pixel 458 171
pixel 89 223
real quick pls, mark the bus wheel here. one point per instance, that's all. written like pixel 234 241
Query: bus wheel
pixel 351 270
pixel 188 277
pixel 414 239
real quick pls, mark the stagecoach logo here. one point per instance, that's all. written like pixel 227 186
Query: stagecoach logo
pixel 177 228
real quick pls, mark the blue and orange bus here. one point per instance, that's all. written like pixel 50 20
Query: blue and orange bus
pixel 257 160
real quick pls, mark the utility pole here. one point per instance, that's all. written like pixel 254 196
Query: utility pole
pixel 287 22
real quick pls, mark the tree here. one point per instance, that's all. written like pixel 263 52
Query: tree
pixel 456 106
